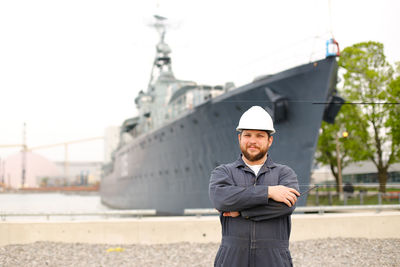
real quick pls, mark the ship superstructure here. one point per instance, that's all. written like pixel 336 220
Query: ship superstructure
pixel 166 97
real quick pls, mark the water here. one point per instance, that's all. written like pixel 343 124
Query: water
pixel 49 202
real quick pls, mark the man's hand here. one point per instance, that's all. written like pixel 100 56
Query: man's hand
pixel 283 194
pixel 231 214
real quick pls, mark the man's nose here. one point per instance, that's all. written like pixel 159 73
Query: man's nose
pixel 252 140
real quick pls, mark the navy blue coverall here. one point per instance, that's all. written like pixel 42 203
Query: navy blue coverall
pixel 260 236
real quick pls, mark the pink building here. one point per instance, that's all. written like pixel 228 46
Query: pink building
pixel 37 168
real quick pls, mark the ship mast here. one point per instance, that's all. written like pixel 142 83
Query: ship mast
pixel 162 61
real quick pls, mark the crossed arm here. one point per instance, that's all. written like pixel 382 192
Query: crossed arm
pixel 258 202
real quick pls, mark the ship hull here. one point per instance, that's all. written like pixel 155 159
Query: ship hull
pixel 169 168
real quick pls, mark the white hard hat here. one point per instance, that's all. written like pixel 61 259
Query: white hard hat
pixel 256 118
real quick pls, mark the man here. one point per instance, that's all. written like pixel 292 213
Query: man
pixel 255 197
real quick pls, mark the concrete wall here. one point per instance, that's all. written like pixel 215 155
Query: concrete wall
pixel 192 229
pixel 355 225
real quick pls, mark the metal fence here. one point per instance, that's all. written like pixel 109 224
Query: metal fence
pixel 192 212
pixel 310 209
pixel 361 195
pixel 72 215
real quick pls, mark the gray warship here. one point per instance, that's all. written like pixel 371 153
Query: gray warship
pixel 184 130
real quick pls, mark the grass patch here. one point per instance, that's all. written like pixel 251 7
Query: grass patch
pixel 323 200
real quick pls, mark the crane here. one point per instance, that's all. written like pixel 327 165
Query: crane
pixel 66 144
pixel 25 148
pixel 13 145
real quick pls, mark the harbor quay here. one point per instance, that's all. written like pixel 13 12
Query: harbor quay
pixel 341 239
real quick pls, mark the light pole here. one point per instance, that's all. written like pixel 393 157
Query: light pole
pixel 24 150
pixel 339 165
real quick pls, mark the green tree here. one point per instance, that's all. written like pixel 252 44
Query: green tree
pixel 372 90
pixel 331 140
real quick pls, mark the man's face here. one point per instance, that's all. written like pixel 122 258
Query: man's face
pixel 254 144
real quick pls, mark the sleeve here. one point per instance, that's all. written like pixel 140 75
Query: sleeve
pixel 274 209
pixel 225 195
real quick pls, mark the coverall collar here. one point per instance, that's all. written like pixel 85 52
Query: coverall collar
pixel 267 164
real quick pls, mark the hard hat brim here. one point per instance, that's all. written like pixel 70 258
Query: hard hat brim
pixel 269 131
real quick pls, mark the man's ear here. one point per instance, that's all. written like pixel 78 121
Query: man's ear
pixel 271 139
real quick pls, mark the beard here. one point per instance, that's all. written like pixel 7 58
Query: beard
pixel 253 157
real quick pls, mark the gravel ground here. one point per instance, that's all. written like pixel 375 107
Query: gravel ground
pixel 322 252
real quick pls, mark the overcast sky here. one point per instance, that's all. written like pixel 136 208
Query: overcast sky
pixel 71 68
